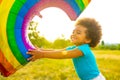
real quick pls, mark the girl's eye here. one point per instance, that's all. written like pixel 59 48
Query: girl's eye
pixel 78 32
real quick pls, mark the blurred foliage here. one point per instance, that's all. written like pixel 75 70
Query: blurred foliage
pixel 41 41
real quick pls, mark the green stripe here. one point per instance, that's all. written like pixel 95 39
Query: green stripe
pixel 80 4
pixel 11 34
pixel 17 6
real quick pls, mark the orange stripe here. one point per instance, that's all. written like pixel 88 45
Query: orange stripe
pixel 0 1
pixel 89 1
pixel 6 64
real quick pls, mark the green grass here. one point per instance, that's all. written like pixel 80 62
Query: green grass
pixel 109 63
pixel 55 69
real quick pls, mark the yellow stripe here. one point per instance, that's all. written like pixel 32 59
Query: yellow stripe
pixel 85 2
pixel 4 11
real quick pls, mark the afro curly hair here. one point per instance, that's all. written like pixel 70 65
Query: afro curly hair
pixel 94 31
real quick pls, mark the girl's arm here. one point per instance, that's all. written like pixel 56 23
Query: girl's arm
pixel 62 54
pixel 55 54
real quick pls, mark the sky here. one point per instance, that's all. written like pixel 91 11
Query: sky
pixel 55 22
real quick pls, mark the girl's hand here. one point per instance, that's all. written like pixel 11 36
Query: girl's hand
pixel 35 54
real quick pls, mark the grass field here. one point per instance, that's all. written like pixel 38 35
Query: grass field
pixel 52 69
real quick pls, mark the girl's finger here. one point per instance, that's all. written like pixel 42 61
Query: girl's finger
pixel 33 59
pixel 30 53
pixel 31 50
pixel 29 59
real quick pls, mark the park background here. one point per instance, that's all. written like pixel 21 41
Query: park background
pixel 48 32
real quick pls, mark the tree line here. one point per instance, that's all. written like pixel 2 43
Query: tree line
pixel 108 46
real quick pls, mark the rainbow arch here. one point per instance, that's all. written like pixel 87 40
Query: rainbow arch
pixel 15 16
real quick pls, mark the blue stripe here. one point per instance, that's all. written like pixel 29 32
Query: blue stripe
pixel 18 26
pixel 26 7
pixel 23 11
pixel 30 3
pixel 74 5
pixel 21 46
pixel 19 21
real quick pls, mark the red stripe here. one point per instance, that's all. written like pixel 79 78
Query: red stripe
pixel 3 71
pixel 5 67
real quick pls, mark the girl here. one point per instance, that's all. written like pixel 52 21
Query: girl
pixel 87 33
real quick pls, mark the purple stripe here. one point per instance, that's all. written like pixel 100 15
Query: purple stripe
pixel 40 6
pixel 26 42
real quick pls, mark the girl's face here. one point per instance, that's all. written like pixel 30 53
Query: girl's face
pixel 78 36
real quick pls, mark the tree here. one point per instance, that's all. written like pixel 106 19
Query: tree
pixel 102 43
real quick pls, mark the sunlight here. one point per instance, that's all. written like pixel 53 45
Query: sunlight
pixel 54 24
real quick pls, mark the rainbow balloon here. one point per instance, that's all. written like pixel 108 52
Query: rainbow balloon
pixel 15 16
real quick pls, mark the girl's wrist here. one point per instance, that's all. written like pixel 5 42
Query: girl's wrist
pixel 41 54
